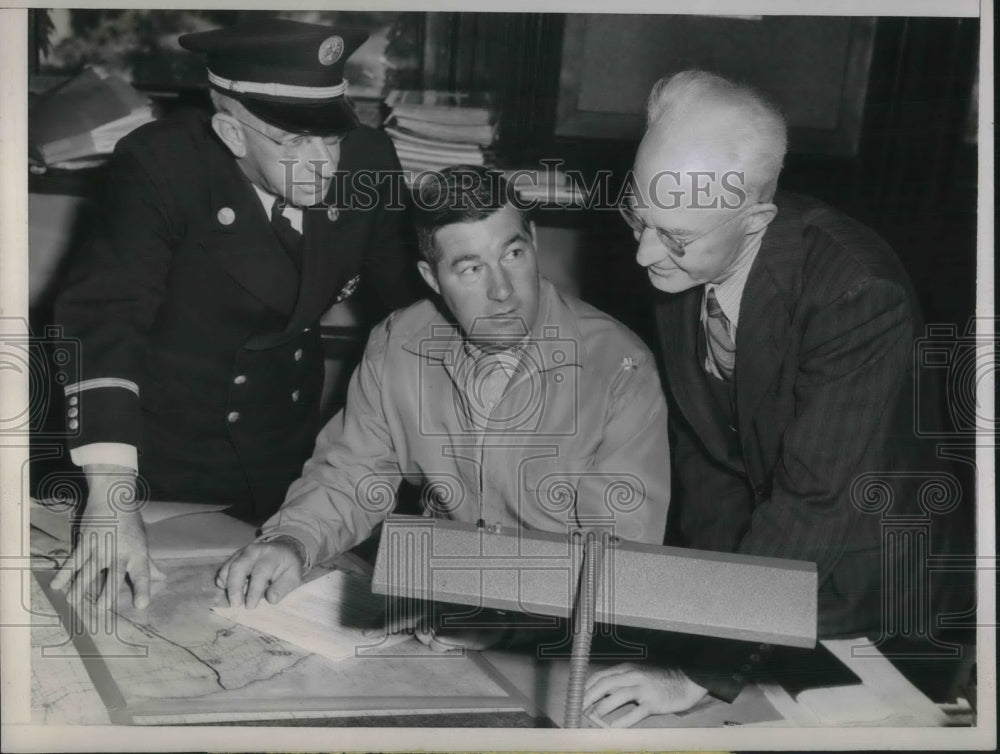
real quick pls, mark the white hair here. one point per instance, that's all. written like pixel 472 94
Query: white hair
pixel 755 128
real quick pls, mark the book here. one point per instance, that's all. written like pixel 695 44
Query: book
pixel 443 107
pixel 545 186
pixel 418 150
pixel 85 117
pixel 402 136
pixel 472 134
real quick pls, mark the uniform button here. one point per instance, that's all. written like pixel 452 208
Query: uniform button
pixel 297 355
pixel 307 330
pixel 234 416
pixel 226 215
pixel 239 379
pixel 746 668
pixel 295 396
pixel 73 400
pixel 73 424
pixel 73 413
pixel 737 677
pixel 755 657
pixel 732 428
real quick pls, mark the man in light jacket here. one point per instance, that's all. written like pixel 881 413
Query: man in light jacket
pixel 508 402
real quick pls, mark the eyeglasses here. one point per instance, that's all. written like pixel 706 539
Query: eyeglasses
pixel 673 243
pixel 294 143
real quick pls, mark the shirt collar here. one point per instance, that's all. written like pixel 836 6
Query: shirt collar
pixel 553 342
pixel 267 200
pixel 730 291
pixel 507 359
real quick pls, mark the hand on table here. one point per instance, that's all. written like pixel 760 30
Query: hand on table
pixel 273 569
pixel 656 691
pixel 99 563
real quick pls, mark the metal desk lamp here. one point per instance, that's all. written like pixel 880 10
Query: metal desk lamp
pixel 590 576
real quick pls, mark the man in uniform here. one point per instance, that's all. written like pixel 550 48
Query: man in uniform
pixel 510 404
pixel 223 240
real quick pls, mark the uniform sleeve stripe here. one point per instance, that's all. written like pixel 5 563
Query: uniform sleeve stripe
pixel 101 382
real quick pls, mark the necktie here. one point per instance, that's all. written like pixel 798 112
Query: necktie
pixel 720 342
pixel 291 240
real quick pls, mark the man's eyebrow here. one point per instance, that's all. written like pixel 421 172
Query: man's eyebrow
pixel 464 258
pixel 520 235
pixel 668 231
pixel 675 231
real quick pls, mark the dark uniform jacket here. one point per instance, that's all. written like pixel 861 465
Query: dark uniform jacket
pixel 810 452
pixel 198 335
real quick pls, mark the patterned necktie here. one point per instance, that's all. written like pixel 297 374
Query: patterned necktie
pixel 291 239
pixel 720 342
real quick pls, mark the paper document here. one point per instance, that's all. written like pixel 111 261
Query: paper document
pixel 325 616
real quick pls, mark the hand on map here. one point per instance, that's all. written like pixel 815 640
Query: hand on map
pixel 95 570
pixel 261 569
pixel 655 691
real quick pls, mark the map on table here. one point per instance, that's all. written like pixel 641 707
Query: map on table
pixel 180 661
pixel 326 616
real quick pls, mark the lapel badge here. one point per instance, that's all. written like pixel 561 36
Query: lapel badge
pixel 348 289
pixel 226 216
pixel 330 50
pixel 332 214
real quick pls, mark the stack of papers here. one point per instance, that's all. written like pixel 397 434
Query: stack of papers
pixel 433 129
pixel 550 186
pixel 83 119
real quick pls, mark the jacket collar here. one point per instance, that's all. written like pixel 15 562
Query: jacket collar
pixel 236 215
pixel 773 287
pixel 262 267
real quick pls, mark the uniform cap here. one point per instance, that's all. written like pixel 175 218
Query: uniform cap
pixel 287 73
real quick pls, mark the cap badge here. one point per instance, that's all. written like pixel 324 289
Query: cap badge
pixel 226 216
pixel 332 214
pixel 330 50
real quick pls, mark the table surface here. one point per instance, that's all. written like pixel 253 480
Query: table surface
pixel 177 662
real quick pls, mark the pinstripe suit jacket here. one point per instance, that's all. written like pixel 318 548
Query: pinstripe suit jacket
pixel 823 394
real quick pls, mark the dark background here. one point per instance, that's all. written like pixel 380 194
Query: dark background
pixel 912 177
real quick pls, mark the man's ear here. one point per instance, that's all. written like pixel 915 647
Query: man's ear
pixel 428 275
pixel 534 234
pixel 761 217
pixel 230 130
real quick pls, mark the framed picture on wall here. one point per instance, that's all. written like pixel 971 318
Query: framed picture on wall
pixel 815 69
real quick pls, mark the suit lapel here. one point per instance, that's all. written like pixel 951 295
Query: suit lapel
pixel 765 312
pixel 331 254
pixel 240 238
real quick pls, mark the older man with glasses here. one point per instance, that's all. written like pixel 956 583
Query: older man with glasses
pixel 787 337
pixel 223 239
